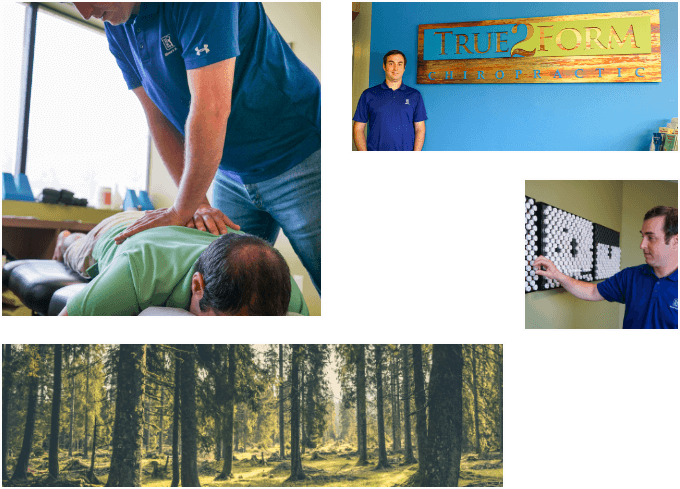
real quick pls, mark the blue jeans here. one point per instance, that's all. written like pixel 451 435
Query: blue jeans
pixel 290 201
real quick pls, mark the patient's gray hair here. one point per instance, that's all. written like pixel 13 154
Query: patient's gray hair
pixel 243 271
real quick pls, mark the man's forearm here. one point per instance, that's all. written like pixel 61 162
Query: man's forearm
pixel 581 290
pixel 420 140
pixel 360 139
pixel 170 145
pixel 205 132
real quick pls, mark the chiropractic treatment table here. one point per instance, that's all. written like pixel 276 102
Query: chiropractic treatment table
pixel 44 286
pixel 29 235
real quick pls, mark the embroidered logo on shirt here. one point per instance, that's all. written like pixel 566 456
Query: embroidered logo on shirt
pixel 204 50
pixel 675 305
pixel 168 45
pixel 407 102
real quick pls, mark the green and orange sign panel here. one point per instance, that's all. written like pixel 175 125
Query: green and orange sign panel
pixel 610 47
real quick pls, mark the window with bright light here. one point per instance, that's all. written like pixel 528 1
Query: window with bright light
pixel 86 129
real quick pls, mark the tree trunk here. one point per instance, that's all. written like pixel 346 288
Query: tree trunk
pixel 445 409
pixel 499 378
pixel 188 413
pixel 396 410
pixel 7 381
pixel 228 417
pixel 73 404
pixel 56 409
pixel 408 454
pixel 126 456
pixel 21 468
pixel 474 396
pixel 361 403
pixel 160 435
pixel 282 446
pixel 90 474
pixel 296 472
pixel 421 415
pixel 382 452
pixel 175 424
pixel 87 396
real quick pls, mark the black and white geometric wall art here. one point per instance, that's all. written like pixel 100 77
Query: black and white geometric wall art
pixel 530 245
pixel 607 252
pixel 578 247
pixel 567 241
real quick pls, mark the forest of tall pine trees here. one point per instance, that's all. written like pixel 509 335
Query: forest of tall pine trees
pixel 258 415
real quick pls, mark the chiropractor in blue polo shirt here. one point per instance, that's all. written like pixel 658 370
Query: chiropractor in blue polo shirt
pixel 650 292
pixel 226 101
pixel 395 113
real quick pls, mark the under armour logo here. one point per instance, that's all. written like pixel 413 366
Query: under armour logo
pixel 204 50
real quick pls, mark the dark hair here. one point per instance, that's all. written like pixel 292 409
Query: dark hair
pixel 670 225
pixel 240 271
pixel 390 53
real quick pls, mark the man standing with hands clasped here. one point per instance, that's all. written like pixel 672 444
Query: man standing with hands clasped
pixel 227 101
pixel 395 113
pixel 650 292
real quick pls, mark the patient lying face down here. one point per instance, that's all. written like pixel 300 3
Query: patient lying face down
pixel 240 275
pixel 235 274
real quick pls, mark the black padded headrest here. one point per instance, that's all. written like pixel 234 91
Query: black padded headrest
pixel 61 297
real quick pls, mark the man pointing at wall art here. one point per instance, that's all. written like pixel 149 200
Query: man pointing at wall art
pixel 650 291
pixel 395 113
pixel 229 103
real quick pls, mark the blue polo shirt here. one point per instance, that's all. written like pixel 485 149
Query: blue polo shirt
pixel 390 115
pixel 651 303
pixel 275 120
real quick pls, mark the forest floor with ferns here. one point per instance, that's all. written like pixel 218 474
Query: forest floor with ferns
pixel 334 466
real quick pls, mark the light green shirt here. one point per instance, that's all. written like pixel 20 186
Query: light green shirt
pixel 151 268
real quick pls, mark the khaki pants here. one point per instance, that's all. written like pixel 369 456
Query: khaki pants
pixel 78 254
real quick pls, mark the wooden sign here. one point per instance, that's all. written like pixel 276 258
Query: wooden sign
pixel 610 47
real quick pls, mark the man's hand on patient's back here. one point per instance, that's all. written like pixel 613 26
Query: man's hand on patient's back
pixel 152 219
pixel 206 218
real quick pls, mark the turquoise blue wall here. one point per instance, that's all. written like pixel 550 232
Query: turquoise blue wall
pixel 560 116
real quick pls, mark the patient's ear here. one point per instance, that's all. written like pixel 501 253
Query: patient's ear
pixel 197 285
pixel 197 288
